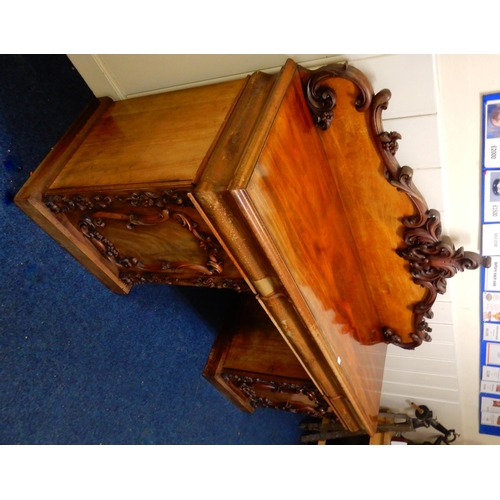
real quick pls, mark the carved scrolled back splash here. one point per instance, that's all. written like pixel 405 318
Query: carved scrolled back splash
pixel 432 257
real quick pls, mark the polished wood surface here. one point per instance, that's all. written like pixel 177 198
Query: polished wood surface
pixel 305 229
pixel 373 211
pixel 150 140
pixel 168 244
pixel 282 218
pixel 256 343
pixel 114 191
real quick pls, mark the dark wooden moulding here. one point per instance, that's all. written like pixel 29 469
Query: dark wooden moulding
pixel 431 256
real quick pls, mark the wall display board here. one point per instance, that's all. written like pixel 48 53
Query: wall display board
pixel 489 404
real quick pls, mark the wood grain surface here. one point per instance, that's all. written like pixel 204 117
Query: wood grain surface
pixel 152 139
pixel 296 209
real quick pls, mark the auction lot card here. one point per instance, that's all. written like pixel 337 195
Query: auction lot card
pixel 491 332
pixel 491 307
pixel 492 353
pixel 492 276
pixel 490 405
pixel 491 374
pixel 490 387
pixel 491 196
pixel 491 239
pixel 490 419
pixel 492 134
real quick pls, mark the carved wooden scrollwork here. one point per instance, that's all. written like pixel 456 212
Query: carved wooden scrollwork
pixel 90 229
pixel 206 241
pixel 248 386
pixel 138 278
pixel 161 206
pixel 176 197
pixel 60 204
pixel 432 258
pixel 321 99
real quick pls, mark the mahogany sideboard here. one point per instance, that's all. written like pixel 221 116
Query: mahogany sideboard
pixel 284 187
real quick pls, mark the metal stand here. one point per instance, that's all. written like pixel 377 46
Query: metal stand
pixel 398 423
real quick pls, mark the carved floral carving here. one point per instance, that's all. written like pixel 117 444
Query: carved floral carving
pixel 432 258
pixel 138 278
pixel 164 207
pixel 89 227
pixel 248 385
pixel 163 198
pixel 62 203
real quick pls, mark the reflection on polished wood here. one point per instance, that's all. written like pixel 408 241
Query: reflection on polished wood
pixel 286 197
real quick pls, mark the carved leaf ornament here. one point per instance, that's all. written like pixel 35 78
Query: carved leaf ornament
pixel 158 202
pixel 432 258
pixel 317 408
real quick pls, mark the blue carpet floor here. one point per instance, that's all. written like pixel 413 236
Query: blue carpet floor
pixel 79 364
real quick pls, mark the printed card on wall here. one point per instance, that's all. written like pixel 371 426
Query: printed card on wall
pixel 491 332
pixel 490 405
pixel 491 196
pixel 491 306
pixel 492 353
pixel 492 134
pixel 490 419
pixel 492 276
pixel 491 239
pixel 490 387
pixel 491 374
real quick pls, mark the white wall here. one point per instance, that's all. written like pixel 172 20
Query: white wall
pixel 436 108
pixel 124 76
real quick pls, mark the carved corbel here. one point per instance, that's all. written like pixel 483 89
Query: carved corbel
pixel 321 99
